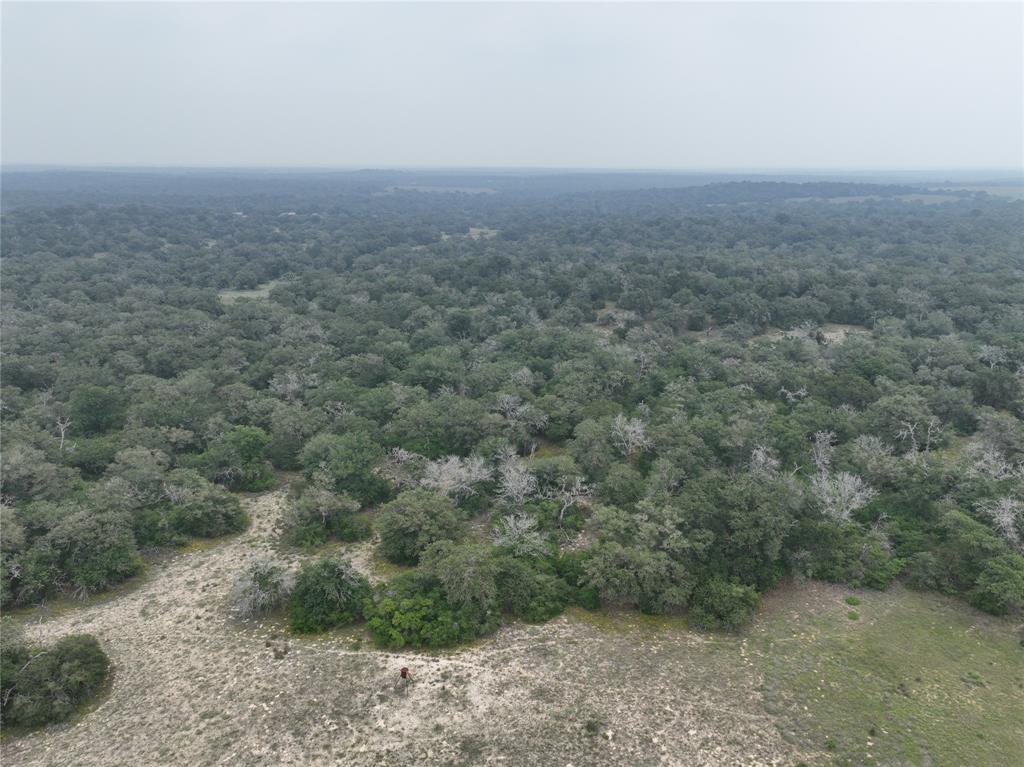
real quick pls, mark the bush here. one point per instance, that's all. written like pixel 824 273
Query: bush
pixel 348 461
pixel 202 509
pixel 636 577
pixel 43 685
pixel 999 588
pixel 319 515
pixel 411 611
pixel 413 521
pixel 264 586
pixel 237 459
pixel 529 592
pixel 328 592
pixel 84 553
pixel 720 604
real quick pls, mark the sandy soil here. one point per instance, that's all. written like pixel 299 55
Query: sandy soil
pixel 193 687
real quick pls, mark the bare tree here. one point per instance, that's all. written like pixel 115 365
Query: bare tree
pixel 763 461
pixel 841 494
pixel 993 355
pixel 456 476
pixel 402 468
pixel 63 425
pixel 821 452
pixel 793 396
pixel 630 435
pixel 1008 515
pixel 291 384
pixel 912 433
pixel 571 491
pixel 986 459
pixel 519 533
pixel 516 483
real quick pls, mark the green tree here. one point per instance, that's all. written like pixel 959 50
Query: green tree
pixel 413 521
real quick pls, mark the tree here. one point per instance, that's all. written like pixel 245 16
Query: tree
pixel 96 409
pixel 318 515
pixel 236 459
pixel 347 462
pixel 519 534
pixel 413 521
pixel 328 592
pixel 466 572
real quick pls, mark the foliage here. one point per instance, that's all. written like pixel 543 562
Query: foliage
pixel 680 386
pixel 328 592
pixel 411 610
pixel 413 521
pixel 719 604
pixel 48 684
pixel 262 587
pixel 318 515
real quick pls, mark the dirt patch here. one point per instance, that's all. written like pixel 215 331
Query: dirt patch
pixel 193 687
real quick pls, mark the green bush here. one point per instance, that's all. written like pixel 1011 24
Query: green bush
pixel 348 461
pixel 999 587
pixel 720 604
pixel 328 592
pixel 84 553
pixel 529 592
pixel 411 611
pixel 413 521
pixel 319 515
pixel 47 684
pixel 237 460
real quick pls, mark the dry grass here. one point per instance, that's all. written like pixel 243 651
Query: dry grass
pixel 192 687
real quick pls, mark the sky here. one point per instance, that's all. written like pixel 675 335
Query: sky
pixel 694 86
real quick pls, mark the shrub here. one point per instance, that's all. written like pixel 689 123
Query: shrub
pixel 999 588
pixel 720 604
pixel 199 508
pixel 411 611
pixel 649 580
pixel 348 461
pixel 43 685
pixel 529 592
pixel 413 521
pixel 466 572
pixel 319 515
pixel 84 553
pixel 328 592
pixel 264 586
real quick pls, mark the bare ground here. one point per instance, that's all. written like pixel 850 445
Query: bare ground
pixel 192 687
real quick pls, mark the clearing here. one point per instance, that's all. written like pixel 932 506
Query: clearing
pixel 916 679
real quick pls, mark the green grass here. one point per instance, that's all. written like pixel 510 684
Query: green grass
pixel 918 679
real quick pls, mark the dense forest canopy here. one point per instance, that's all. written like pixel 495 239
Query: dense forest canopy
pixel 530 390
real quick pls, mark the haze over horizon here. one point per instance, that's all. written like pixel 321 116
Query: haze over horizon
pixel 682 87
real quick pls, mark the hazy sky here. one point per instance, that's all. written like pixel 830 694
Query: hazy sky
pixel 741 86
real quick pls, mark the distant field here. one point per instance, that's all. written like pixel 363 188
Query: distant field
pixel 1013 191
pixel 260 291
pixel 926 199
pixel 898 678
